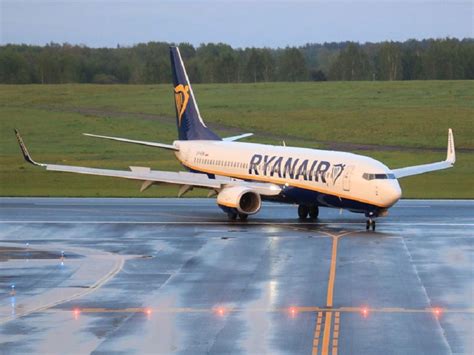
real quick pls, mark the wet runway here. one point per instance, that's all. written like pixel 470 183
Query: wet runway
pixel 173 275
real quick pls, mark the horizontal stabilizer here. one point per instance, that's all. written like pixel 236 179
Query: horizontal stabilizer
pixel 236 138
pixel 150 144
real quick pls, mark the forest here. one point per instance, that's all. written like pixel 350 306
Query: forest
pixel 148 63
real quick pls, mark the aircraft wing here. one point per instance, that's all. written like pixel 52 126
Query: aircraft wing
pixel 425 168
pixel 149 176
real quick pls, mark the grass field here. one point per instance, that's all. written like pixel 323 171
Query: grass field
pixel 400 123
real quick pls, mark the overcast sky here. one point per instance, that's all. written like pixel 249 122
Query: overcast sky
pixel 240 23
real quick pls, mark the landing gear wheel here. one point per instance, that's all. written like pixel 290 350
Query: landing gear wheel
pixel 370 224
pixel 243 216
pixel 313 212
pixel 232 216
pixel 303 211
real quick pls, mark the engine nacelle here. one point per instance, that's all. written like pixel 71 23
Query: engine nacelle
pixel 243 199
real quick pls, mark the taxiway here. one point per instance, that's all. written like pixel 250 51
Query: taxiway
pixel 173 275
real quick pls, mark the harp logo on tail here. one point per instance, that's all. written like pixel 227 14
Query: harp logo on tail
pixel 181 97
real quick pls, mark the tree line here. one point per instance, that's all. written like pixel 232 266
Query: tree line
pixel 148 63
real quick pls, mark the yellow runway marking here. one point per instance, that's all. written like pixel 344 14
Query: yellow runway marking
pixel 330 297
pixel 330 292
pixel 332 273
pixel 335 336
pixel 327 333
pixel 317 333
pixel 332 268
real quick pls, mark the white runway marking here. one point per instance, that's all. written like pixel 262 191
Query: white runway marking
pixel 156 205
pixel 52 298
pixel 404 207
pixel 256 223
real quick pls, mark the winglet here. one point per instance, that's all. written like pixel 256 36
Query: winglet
pixel 24 150
pixel 451 155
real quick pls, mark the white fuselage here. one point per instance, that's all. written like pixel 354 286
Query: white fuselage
pixel 344 175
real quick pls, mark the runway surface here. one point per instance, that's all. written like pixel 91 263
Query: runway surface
pixel 173 275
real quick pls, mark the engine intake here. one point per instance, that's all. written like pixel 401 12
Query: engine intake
pixel 243 199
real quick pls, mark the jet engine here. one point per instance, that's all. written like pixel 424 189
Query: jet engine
pixel 243 199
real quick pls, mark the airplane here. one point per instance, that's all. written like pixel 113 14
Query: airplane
pixel 241 174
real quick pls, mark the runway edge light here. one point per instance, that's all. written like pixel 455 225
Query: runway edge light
pixel 293 311
pixel 437 311
pixel 76 312
pixel 364 311
pixel 220 311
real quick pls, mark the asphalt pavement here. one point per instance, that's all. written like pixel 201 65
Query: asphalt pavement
pixel 174 276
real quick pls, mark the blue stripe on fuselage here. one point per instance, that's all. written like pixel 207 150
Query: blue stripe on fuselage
pixel 298 195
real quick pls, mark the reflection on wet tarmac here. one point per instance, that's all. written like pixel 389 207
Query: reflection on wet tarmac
pixel 161 276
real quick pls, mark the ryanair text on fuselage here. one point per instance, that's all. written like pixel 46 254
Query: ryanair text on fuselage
pixel 288 167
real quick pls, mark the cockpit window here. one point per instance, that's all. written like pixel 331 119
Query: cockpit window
pixel 368 176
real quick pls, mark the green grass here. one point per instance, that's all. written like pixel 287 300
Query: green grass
pixel 403 114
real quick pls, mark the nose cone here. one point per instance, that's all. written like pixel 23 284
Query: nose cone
pixel 391 192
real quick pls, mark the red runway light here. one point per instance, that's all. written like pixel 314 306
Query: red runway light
pixel 365 312
pixel 293 311
pixel 76 312
pixel 148 311
pixel 437 312
pixel 220 311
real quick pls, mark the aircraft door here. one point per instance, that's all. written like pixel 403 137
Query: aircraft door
pixel 346 178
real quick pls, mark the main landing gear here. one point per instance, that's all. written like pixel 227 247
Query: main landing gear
pixel 304 211
pixel 233 216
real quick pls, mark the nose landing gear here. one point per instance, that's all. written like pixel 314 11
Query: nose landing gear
pixel 370 224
